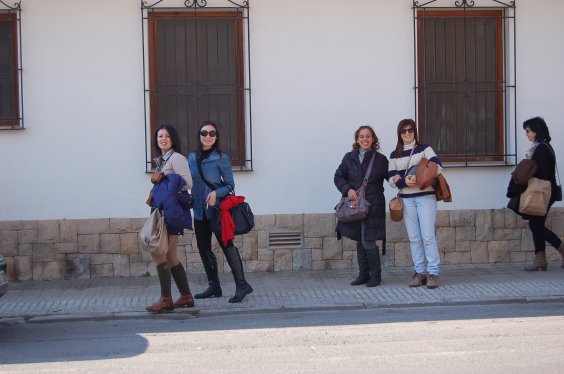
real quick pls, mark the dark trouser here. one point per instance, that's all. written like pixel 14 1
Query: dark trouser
pixel 368 256
pixel 541 234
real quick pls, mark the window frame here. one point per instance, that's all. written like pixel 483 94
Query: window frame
pixel 13 15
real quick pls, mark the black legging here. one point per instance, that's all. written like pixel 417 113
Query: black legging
pixel 541 234
pixel 203 231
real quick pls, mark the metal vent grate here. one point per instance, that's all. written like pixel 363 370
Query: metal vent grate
pixel 289 239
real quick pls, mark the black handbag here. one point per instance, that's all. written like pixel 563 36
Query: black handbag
pixel 242 216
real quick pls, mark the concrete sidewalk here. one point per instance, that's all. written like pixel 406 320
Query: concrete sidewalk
pixel 126 298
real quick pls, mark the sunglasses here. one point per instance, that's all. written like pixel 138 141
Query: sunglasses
pixel 407 130
pixel 205 133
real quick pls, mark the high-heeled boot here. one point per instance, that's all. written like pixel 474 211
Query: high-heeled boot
pixel 363 274
pixel 236 264
pixel 374 267
pixel 539 263
pixel 210 266
pixel 179 276
pixel 165 302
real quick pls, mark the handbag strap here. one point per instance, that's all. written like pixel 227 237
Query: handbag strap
pixel 555 164
pixel 365 181
pixel 409 159
pixel 208 183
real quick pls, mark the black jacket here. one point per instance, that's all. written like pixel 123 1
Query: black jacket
pixel 350 174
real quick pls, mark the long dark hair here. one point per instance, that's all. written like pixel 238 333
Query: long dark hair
pixel 375 146
pixel 173 137
pixel 216 146
pixel 539 127
pixel 404 123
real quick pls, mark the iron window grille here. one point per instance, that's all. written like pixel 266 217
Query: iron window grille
pixel 11 88
pixel 465 80
pixel 196 67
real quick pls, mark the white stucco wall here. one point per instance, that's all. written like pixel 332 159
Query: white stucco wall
pixel 320 68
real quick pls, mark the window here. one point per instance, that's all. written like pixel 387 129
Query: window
pixel 197 70
pixel 11 117
pixel 464 80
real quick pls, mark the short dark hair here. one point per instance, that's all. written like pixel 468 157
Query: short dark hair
pixel 539 127
pixel 375 146
pixel 216 145
pixel 173 137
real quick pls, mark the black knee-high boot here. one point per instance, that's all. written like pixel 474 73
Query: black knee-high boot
pixel 236 264
pixel 212 272
pixel 165 302
pixel 363 271
pixel 374 267
pixel 179 276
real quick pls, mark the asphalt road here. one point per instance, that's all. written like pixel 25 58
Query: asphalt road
pixel 499 338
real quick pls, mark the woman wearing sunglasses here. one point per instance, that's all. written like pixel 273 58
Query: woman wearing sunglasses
pixel 213 180
pixel 419 206
pixel 348 179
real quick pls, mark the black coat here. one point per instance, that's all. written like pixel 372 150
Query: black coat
pixel 350 174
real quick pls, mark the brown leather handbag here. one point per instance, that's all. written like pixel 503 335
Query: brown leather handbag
pixel 426 171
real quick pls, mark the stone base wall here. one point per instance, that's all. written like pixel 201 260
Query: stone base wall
pixel 94 248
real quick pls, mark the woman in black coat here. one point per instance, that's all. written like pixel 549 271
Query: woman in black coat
pixel 542 152
pixel 348 178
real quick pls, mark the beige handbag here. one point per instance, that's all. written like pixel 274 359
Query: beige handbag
pixel 396 209
pixel 153 236
pixel 534 200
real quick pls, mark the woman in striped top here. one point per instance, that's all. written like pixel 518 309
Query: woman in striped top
pixel 419 206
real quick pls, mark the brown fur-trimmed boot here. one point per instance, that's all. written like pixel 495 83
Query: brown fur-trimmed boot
pixel 539 263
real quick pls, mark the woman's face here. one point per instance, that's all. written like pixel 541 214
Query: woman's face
pixel 407 134
pixel 208 136
pixel 365 139
pixel 164 141
pixel 531 135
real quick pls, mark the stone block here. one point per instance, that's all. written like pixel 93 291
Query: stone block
pixel 97 259
pixel 89 243
pixel 23 268
pixel 25 236
pixel 512 220
pixel 558 225
pixel 507 234
pixel 498 251
pixel 120 225
pixel 313 243
pixel 137 269
pixel 262 240
pixel 293 222
pixel 129 243
pixel 11 225
pixel 102 271
pixel 265 254
pixel 249 249
pixel 10 268
pixel 37 271
pixel 319 225
pixel 522 256
pixel 283 260
pixel 462 218
pixel 479 252
pixel 43 252
pixel 463 246
pixel 29 225
pixel 68 231
pixel 53 270
pixel 9 243
pixel 48 231
pixel 317 254
pixel 78 266
pixel 527 241
pixel 484 225
pixel 137 224
pixel 25 249
pixel 514 246
pixel 265 222
pixel 443 218
pixel 66 248
pixel 348 244
pixel 332 249
pixel 395 231
pixel 499 218
pixel 465 234
pixel 93 226
pixel 402 254
pixel 197 268
pixel 348 255
pixel 110 243
pixel 302 259
pixel 253 266
pixel 387 260
pixel 457 258
pixel 338 264
pixel 446 238
pixel 121 266
pixel 318 265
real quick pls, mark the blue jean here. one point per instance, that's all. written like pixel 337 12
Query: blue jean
pixel 420 215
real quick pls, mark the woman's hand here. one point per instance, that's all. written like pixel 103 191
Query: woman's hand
pixel 410 180
pixel 351 194
pixel 211 198
pixel 396 178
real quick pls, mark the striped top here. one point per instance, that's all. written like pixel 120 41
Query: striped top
pixel 398 165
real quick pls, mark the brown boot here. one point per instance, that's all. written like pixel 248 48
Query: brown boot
pixel 164 304
pixel 561 250
pixel 539 263
pixel 184 301
pixel 418 280
pixel 432 281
